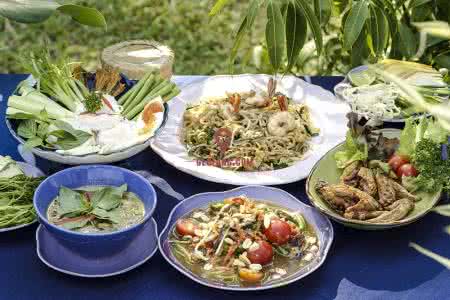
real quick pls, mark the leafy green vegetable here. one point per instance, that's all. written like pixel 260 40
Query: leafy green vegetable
pixel 109 197
pixel 71 202
pixel 16 199
pixel 353 152
pixel 27 129
pixel 68 137
pixel 428 161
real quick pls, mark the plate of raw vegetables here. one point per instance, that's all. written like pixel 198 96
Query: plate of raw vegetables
pixel 382 178
pixel 373 97
pixel 71 116
pixel 18 182
pixel 251 129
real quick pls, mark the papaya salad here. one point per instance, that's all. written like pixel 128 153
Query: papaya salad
pixel 242 241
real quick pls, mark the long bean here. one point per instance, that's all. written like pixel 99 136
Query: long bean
pixel 148 84
pixel 135 101
pixel 134 89
pixel 138 108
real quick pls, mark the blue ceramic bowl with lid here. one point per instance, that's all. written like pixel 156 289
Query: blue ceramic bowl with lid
pixel 94 244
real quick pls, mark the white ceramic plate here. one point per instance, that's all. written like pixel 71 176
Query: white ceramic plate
pixel 326 111
pixel 30 171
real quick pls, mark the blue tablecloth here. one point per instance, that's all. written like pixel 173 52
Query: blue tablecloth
pixel 361 264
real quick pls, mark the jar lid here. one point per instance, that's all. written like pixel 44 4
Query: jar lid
pixel 135 58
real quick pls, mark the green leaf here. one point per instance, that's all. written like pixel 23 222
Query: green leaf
pixel 408 39
pixel 443 210
pixel 27 129
pixel 245 26
pixel 407 138
pixel 27 11
pixel 322 9
pixel 79 223
pixel 440 259
pixel 416 3
pixel 108 197
pixel 36 11
pixel 275 34
pixel 359 51
pixel 355 23
pixel 313 22
pixel 33 143
pixel 84 15
pixel 379 30
pixel 351 153
pixel 42 130
pixel 296 32
pixel 71 202
pixel 68 137
pixel 218 7
pixel 112 215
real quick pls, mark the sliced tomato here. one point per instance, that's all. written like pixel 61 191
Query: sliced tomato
pixel 262 255
pixel 185 227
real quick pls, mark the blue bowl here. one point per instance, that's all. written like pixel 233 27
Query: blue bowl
pixel 94 244
pixel 319 222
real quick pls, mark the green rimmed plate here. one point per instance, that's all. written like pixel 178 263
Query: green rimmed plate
pixel 325 169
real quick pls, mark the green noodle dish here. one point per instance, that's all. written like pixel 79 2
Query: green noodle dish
pixel 266 131
pixel 241 241
pixel 96 209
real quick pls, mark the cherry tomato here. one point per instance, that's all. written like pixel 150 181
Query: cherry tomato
pixel 278 232
pixel 263 255
pixel 396 161
pixel 407 170
pixel 185 227
pixel 250 276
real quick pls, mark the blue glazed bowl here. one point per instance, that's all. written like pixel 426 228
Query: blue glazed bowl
pixel 319 222
pixel 94 244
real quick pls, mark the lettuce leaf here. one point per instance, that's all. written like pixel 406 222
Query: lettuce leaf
pixel 352 152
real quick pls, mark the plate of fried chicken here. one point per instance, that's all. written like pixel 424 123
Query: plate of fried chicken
pixel 358 188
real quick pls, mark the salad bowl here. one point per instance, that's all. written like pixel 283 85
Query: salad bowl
pixel 94 245
pixel 95 158
pixel 326 170
pixel 320 224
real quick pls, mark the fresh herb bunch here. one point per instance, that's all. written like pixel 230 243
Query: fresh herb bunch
pixel 16 200
pixel 93 102
pixel 433 169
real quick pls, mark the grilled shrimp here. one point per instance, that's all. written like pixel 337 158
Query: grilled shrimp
pixel 281 123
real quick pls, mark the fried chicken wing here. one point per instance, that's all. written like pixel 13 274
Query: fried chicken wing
pixel 367 181
pixel 386 192
pixel 401 192
pixel 350 174
pixel 396 211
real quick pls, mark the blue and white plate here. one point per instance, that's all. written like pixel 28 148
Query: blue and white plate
pixel 30 171
pixel 61 259
pixel 319 222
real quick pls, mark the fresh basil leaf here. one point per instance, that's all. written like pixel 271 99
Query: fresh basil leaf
pixel 275 34
pixel 27 129
pixel 71 202
pixel 108 197
pixel 355 23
